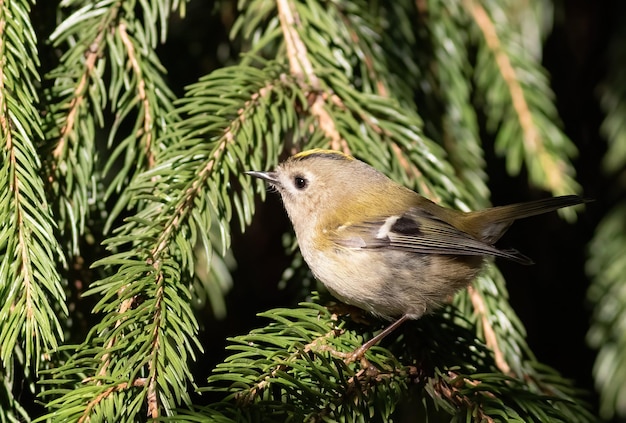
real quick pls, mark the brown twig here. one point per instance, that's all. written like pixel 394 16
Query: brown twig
pixel 116 388
pixel 180 212
pixel 91 57
pixel 450 391
pixel 153 404
pixel 302 69
pixel 146 131
pixel 553 166
pixel 491 339
pixel 14 185
pixel 486 25
pixel 106 357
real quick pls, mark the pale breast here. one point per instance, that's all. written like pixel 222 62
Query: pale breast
pixel 391 283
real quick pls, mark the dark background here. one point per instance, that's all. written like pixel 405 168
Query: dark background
pixel 550 297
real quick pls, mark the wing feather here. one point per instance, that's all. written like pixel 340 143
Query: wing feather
pixel 419 232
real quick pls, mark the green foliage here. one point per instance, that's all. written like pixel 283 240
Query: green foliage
pixel 295 368
pixel 606 334
pixel 607 250
pixel 458 127
pixel 508 80
pixel 100 151
pixel 31 294
pixel 108 58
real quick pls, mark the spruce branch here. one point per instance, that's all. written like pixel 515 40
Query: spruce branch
pixel 301 68
pixel 140 94
pixel 489 333
pixel 92 53
pixel 448 69
pixel 606 264
pixel 339 74
pixel 126 305
pixel 528 133
pixel 148 324
pixel 75 104
pixel 146 135
pixel 485 304
pixel 295 366
pixel 98 399
pixel 101 37
pixel 31 292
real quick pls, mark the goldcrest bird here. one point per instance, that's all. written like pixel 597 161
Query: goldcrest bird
pixel 381 247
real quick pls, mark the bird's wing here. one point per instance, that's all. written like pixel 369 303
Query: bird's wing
pixel 417 231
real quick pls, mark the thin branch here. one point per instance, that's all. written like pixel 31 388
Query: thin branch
pixel 146 133
pixel 450 391
pixel 299 63
pixel 489 333
pixel 147 137
pixel 301 67
pixel 362 381
pixel 22 232
pixel 153 405
pixel 531 135
pixel 173 224
pixel 92 54
pixel 316 345
pixel 106 357
pixel 532 140
pixel 203 175
pixel 116 388
pixel 4 122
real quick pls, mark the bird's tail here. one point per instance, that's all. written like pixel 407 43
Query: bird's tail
pixel 490 224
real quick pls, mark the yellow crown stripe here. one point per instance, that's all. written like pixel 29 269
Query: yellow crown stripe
pixel 320 152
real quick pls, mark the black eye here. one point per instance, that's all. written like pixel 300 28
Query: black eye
pixel 300 182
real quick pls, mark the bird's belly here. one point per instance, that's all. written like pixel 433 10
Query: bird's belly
pixel 396 282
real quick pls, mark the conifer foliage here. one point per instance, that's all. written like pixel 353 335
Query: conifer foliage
pixel 606 262
pixel 118 199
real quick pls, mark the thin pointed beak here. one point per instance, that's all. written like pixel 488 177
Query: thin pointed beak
pixel 271 177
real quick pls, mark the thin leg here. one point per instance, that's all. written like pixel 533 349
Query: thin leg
pixel 360 352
